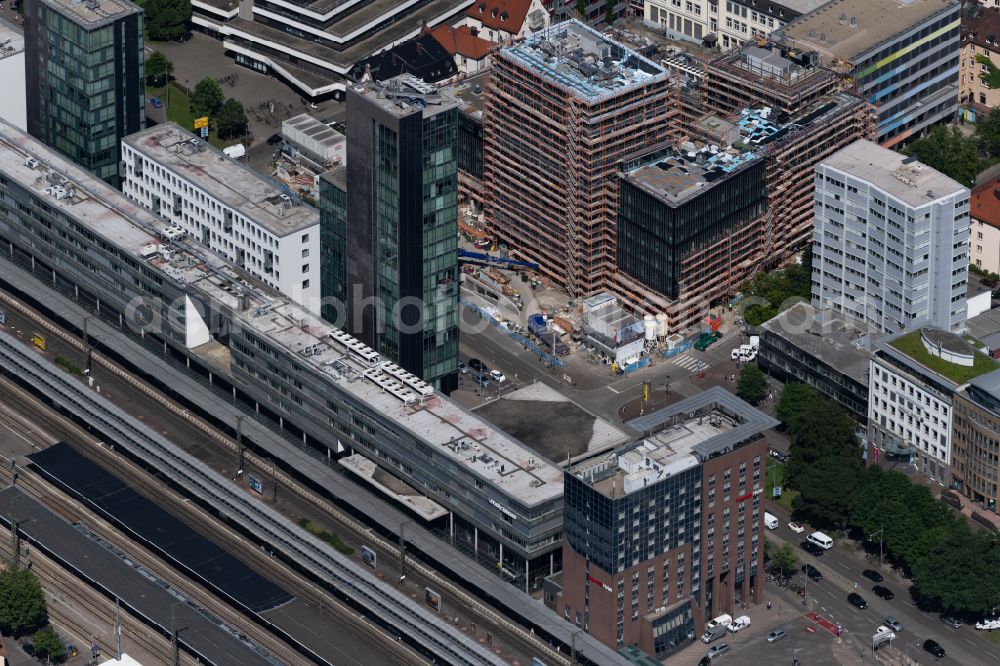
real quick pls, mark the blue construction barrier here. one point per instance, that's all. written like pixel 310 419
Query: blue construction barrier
pixel 543 355
pixel 682 347
pixel 632 367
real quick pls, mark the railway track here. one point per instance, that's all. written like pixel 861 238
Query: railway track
pixel 323 603
pixel 477 614
pixel 380 602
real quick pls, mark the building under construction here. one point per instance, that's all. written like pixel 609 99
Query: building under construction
pixel 708 190
pixel 562 109
pixel 767 74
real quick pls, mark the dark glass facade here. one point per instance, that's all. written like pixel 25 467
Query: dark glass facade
pixel 615 534
pixel 656 237
pixel 396 263
pixel 470 145
pixel 84 80
pixel 332 245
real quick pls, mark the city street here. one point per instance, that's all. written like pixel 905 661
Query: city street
pixel 841 568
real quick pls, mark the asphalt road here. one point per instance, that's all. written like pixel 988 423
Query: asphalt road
pixel 841 568
pixel 592 386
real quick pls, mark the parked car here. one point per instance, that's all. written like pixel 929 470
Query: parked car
pixel 892 623
pixel 739 624
pixel 481 379
pixel 498 376
pixel 463 368
pixel 989 624
pixel 185 37
pixel 798 528
pixel 812 572
pixel 883 592
pixel 951 621
pixel 811 548
pixel 477 365
pixel 155 102
pixel 934 648
pixel 857 600
pixel 705 661
pixel 775 635
pixel 872 575
pixel 716 650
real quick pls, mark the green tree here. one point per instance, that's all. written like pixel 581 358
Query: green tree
pixel 231 119
pixel 22 603
pixel 158 69
pixel 581 8
pixel 988 133
pixel 957 572
pixel 795 400
pixel 770 293
pixel 825 464
pixel 950 152
pixel 166 19
pixel 48 644
pixel 752 385
pixel 609 12
pixel 785 559
pixel 207 97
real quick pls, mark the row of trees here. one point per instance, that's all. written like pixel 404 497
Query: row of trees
pixel 948 560
pixel 948 150
pixel 23 612
pixel 166 20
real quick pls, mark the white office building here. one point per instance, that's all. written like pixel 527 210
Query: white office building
pixel 227 207
pixel 890 240
pixel 910 404
pixel 729 22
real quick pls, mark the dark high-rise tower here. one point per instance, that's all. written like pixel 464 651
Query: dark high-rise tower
pixel 84 71
pixel 391 255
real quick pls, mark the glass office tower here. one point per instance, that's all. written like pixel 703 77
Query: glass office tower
pixel 84 78
pixel 397 239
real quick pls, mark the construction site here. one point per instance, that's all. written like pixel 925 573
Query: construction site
pixel 562 108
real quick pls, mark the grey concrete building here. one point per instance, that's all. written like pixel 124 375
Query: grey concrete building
pixel 399 233
pixel 825 349
pixel 890 240
pixel 485 489
pixel 84 76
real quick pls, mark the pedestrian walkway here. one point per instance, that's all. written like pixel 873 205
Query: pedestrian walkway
pixel 689 362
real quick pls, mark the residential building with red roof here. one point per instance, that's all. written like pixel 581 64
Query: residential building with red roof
pixel 506 20
pixel 984 239
pixel 470 51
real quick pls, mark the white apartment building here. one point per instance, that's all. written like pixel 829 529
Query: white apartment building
pixel 910 405
pixel 890 240
pixel 732 22
pixel 225 206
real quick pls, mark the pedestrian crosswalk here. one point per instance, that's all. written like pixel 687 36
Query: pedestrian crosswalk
pixel 689 362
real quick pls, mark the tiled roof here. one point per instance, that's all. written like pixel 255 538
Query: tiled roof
pixel 985 203
pixel 461 41
pixel 506 15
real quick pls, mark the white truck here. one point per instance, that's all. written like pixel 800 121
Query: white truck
pixel 746 353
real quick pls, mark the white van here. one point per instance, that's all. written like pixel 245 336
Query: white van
pixel 716 628
pixel 821 540
pixel 770 521
pixel 739 624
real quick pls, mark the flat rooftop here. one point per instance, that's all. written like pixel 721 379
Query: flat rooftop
pixel 584 62
pixel 682 436
pixel 911 346
pixel 680 174
pixel 342 362
pixel 468 93
pixel 315 129
pixel 404 95
pixel 93 13
pixel 841 342
pixel 847 29
pixel 11 39
pixel 908 180
pixel 223 178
